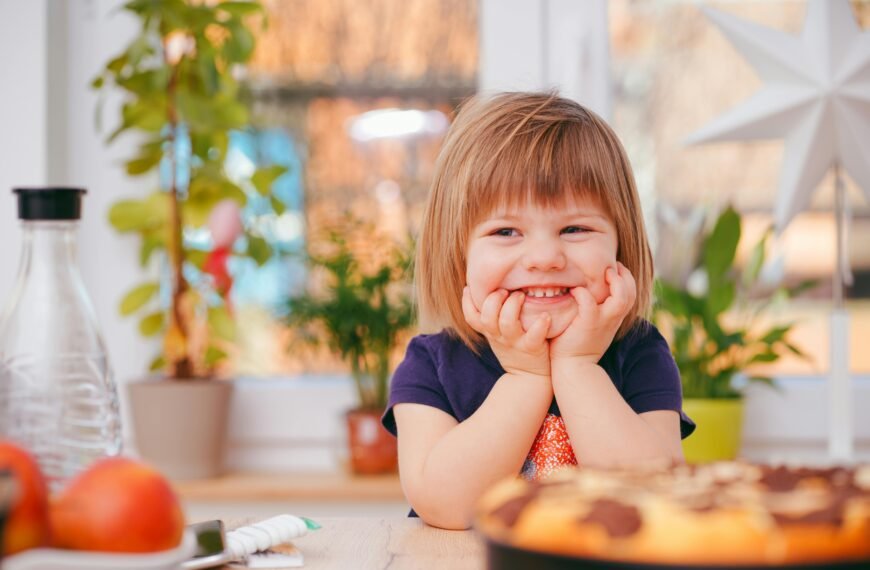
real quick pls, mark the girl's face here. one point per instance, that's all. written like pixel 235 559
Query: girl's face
pixel 543 252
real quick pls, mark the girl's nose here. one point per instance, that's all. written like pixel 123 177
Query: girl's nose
pixel 544 255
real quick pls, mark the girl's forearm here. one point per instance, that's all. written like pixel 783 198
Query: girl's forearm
pixel 491 444
pixel 604 430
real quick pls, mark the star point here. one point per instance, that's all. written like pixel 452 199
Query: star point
pixel 816 96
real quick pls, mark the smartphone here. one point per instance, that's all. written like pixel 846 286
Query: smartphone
pixel 210 545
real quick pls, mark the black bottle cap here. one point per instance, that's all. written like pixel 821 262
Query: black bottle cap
pixel 49 203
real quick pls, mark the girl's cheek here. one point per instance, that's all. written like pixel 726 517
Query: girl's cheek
pixel 478 295
pixel 481 283
pixel 477 299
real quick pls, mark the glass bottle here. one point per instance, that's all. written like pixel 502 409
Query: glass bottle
pixel 57 396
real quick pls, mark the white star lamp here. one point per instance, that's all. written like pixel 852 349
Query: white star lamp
pixel 816 95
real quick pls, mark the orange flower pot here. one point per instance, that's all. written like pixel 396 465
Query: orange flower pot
pixel 372 448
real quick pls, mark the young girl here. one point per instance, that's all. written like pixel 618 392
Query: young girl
pixel 533 262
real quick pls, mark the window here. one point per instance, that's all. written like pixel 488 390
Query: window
pixel 674 71
pixel 355 98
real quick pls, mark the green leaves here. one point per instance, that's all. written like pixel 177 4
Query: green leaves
pixel 140 215
pixel 240 45
pixel 720 297
pixel 258 250
pixel 708 343
pixel 158 363
pixel 148 83
pixel 202 112
pixel 263 178
pixel 221 323
pixel 151 242
pixel 149 157
pixel 240 9
pixel 117 64
pixel 673 300
pixel 213 355
pixel 768 356
pixel 146 114
pixel 196 257
pixel 755 261
pixel 205 191
pixel 128 215
pixel 721 245
pixel 360 310
pixel 151 324
pixel 277 205
pixel 776 334
pixel 178 82
pixel 136 298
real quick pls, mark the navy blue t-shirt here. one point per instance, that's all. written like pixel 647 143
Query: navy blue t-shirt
pixel 440 371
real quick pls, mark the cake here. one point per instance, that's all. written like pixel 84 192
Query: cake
pixel 727 514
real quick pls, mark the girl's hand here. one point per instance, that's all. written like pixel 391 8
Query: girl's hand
pixel 518 351
pixel 593 329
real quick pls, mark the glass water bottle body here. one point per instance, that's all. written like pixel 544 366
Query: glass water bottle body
pixel 57 395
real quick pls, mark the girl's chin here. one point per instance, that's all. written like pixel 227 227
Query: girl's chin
pixel 559 320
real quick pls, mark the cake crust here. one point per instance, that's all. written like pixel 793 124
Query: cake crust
pixel 728 513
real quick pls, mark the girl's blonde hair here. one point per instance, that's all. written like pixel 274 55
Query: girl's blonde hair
pixel 506 150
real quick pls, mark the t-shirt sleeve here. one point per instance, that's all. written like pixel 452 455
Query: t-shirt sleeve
pixel 415 382
pixel 651 380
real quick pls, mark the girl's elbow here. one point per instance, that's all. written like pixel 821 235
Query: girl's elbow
pixel 448 524
pixel 442 513
pixel 446 521
pixel 440 503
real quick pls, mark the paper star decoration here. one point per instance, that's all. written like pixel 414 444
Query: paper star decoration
pixel 816 95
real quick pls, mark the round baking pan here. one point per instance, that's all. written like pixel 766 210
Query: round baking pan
pixel 502 557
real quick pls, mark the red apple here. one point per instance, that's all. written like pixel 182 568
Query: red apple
pixel 27 525
pixel 117 505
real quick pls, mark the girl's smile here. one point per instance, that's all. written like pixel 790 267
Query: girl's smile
pixel 543 252
pixel 546 293
pixel 545 296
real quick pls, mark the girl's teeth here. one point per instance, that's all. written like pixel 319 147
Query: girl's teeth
pixel 550 292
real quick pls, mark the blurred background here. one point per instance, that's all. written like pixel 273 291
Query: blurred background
pixel 354 98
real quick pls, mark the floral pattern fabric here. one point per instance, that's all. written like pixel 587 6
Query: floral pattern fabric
pixel 551 450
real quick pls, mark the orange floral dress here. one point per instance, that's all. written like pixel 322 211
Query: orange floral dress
pixel 551 450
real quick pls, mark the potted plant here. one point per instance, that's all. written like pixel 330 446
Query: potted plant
pixel 182 100
pixel 711 319
pixel 360 309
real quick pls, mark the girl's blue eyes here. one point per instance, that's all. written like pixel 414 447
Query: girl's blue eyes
pixel 511 232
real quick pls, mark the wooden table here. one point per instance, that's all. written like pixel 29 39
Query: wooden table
pixel 376 544
pixel 332 486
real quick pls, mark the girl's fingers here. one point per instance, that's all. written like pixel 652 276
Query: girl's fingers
pixel 630 283
pixel 587 307
pixel 614 304
pixel 472 315
pixel 622 293
pixel 509 318
pixel 490 310
pixel 537 333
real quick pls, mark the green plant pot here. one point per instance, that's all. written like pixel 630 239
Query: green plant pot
pixel 720 425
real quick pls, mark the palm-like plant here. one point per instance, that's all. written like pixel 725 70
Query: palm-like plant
pixel 710 349
pixel 360 312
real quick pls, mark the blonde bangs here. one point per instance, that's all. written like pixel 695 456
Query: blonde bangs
pixel 505 152
pixel 543 164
